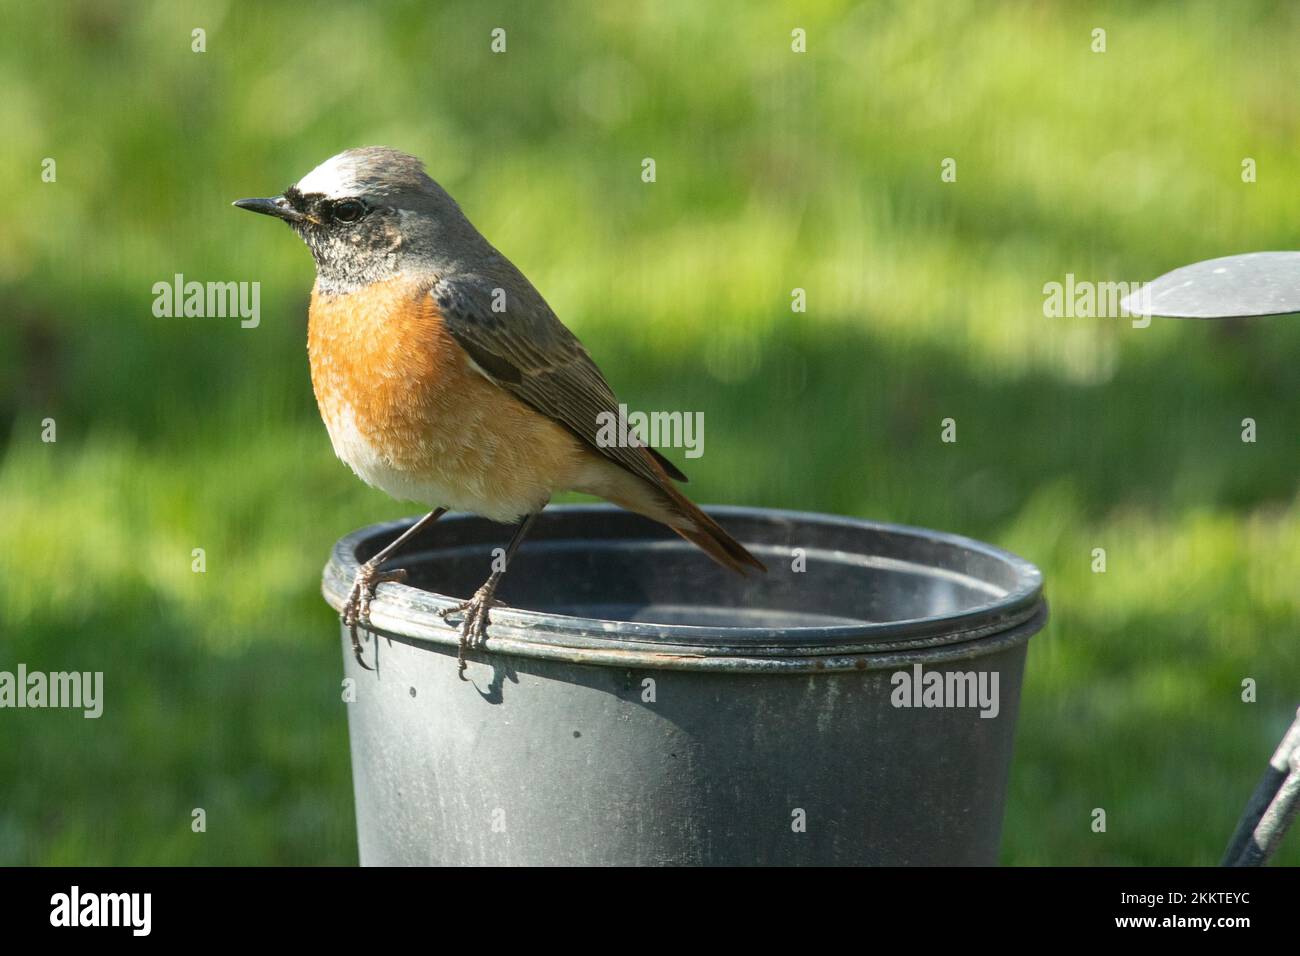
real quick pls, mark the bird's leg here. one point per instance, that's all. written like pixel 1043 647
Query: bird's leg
pixel 356 609
pixel 473 628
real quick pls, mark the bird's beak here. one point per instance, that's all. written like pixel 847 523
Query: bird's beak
pixel 278 207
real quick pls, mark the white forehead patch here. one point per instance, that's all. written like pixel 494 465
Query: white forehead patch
pixel 335 178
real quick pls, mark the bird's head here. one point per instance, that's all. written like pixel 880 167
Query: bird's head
pixel 367 215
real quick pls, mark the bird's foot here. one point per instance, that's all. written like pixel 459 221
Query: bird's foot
pixel 356 609
pixel 473 626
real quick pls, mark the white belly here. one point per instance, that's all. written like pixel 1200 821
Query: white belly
pixel 426 486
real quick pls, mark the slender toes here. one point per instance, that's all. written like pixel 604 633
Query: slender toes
pixel 473 627
pixel 447 612
pixel 352 606
pixel 356 609
pixel 476 622
pixel 368 591
pixel 478 633
pixel 356 647
pixel 349 612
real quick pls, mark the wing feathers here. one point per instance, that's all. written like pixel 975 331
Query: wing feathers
pixel 530 353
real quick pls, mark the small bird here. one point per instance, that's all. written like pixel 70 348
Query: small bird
pixel 443 377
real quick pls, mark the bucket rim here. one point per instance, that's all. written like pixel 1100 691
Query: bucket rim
pixel 405 611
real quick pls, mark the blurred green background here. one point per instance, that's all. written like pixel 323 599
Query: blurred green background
pixel 775 170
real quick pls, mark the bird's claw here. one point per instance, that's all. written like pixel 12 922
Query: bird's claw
pixel 356 609
pixel 473 626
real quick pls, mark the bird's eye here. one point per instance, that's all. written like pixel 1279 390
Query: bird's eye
pixel 350 210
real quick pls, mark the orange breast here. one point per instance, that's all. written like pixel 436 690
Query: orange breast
pixel 382 358
pixel 408 412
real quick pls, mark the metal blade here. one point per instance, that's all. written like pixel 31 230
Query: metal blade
pixel 1257 283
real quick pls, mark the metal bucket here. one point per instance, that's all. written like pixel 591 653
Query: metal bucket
pixel 650 707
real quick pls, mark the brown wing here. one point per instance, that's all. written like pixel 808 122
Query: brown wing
pixel 529 352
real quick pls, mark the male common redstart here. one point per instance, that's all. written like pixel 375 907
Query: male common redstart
pixel 443 376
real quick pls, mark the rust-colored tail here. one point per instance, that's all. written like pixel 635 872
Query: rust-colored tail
pixel 662 502
pixel 710 536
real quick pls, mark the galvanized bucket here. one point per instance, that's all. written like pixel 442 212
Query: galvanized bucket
pixel 637 704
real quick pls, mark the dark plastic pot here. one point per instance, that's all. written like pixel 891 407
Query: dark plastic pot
pixel 649 707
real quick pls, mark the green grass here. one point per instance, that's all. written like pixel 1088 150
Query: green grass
pixel 775 171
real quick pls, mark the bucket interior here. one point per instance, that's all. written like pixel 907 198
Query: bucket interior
pixel 601 563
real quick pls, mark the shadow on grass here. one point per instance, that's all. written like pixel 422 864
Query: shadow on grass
pixel 1145 723
pixel 256 740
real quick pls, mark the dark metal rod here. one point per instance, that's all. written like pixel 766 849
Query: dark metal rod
pixel 1271 808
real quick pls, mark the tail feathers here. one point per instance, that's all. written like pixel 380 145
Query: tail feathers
pixel 710 537
pixel 673 471
pixel 662 502
pixel 723 548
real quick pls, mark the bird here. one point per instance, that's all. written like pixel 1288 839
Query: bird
pixel 443 377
